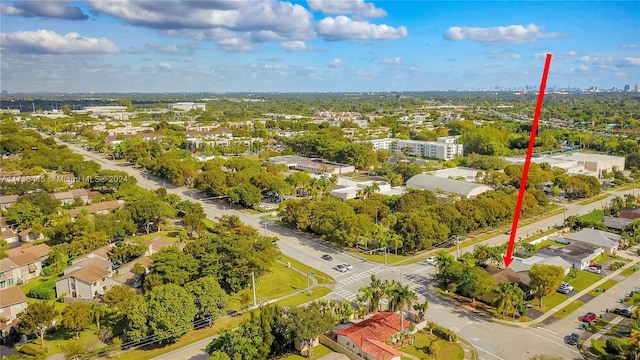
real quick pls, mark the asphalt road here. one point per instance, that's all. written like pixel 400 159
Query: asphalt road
pixel 492 341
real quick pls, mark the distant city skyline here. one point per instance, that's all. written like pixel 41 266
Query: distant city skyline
pixel 151 46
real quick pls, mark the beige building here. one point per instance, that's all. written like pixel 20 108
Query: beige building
pixel 29 260
pixel 12 303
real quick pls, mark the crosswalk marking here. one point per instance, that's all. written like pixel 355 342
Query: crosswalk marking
pixel 346 294
pixel 360 276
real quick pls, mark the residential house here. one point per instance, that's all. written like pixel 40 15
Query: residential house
pixel 28 235
pixel 7 200
pixel 9 236
pixel 617 223
pixel 609 242
pixel 3 224
pixel 577 253
pixel 511 276
pixel 9 273
pixel 156 244
pixel 29 259
pixel 68 197
pixel 88 277
pixel 367 338
pixel 97 208
pixel 526 264
pixel 12 303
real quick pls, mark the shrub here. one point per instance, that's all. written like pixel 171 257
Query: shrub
pixel 45 290
pixel 616 265
pixel 598 350
pixel 615 345
pixel 33 350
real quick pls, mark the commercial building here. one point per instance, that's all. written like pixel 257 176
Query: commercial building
pixel 445 148
pixel 186 106
pixel 314 165
pixel 579 163
pixel 446 186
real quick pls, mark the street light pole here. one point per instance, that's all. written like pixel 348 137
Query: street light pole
pixel 253 281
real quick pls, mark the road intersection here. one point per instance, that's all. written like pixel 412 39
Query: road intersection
pixel 491 340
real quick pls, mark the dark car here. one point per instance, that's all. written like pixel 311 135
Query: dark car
pixel 572 339
pixel 589 317
pixel 622 312
pixel 327 257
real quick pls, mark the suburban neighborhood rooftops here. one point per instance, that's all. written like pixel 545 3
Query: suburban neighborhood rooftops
pixel 11 296
pixel 381 327
pixel 97 207
pixel 38 251
pixel 508 275
pixel 6 264
pixel 595 237
pixel 379 350
pixel 89 274
pixel 8 199
pixel 576 250
pixel 617 223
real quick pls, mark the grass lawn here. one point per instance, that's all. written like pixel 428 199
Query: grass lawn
pixel 171 234
pixel 583 280
pixel 606 257
pixel 594 216
pixel 548 242
pixel 280 281
pixel 565 311
pixel 318 352
pixel 550 302
pixel 606 286
pixel 302 298
pixel 630 271
pixel 33 283
pixel 379 257
pixel 319 275
pixel 446 351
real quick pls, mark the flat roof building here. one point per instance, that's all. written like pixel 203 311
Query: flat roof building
pixel 445 147
pixel 186 106
pixel 446 186
pixel 314 165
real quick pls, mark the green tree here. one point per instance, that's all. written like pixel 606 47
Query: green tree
pixel 24 215
pixel 171 311
pixel 118 298
pixel 246 195
pixel 193 218
pixel 38 318
pixel 477 283
pixel 545 279
pixel 135 318
pixel 77 317
pixel 421 309
pixel 209 297
pixel 173 266
pixel 4 246
pixel 308 323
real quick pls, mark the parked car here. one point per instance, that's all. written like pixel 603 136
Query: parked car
pixel 563 290
pixel 622 312
pixel 589 317
pixel 327 257
pixel 347 266
pixel 341 268
pixel 572 339
pixel 431 260
pixel 593 270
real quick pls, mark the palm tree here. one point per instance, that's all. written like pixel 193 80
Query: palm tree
pixel 481 253
pixel 503 298
pixel 635 341
pixel 529 248
pixel 377 287
pixel 365 296
pixel 443 261
pixel 421 309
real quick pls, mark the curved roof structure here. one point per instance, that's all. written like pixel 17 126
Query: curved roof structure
pixel 448 186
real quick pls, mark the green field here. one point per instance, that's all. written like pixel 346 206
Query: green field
pixel 304 297
pixel 447 350
pixel 583 280
pixel 319 275
pixel 605 286
pixel 593 199
pixel 549 243
pixel 565 311
pixel 594 216
pixel 630 270
pixel 379 258
pixel 549 302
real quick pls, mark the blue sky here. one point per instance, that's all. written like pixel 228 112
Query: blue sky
pixel 314 45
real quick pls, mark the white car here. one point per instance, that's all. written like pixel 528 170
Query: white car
pixel 341 268
pixel 593 270
pixel 347 266
pixel 431 260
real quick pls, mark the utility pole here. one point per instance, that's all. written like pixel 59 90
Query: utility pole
pixel 253 281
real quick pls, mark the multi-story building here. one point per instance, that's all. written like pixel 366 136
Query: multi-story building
pixel 186 106
pixel 445 148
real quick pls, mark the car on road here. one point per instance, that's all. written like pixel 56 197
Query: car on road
pixel 572 339
pixel 622 312
pixel 508 232
pixel 327 257
pixel 593 270
pixel 589 317
pixel 341 268
pixel 347 266
pixel 431 260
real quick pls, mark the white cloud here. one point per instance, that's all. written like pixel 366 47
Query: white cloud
pixel 516 34
pixel 357 7
pixel 49 42
pixel 60 9
pixel 504 55
pixel 595 59
pixel 630 46
pixel 294 45
pixel 164 48
pixel 392 60
pixel 563 55
pixel 631 61
pixel 344 28
pixel 165 66
pixel 234 25
pixel 336 63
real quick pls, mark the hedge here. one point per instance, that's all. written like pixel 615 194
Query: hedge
pixel 46 290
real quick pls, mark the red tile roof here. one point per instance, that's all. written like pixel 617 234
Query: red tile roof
pixel 380 327
pixel 379 350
